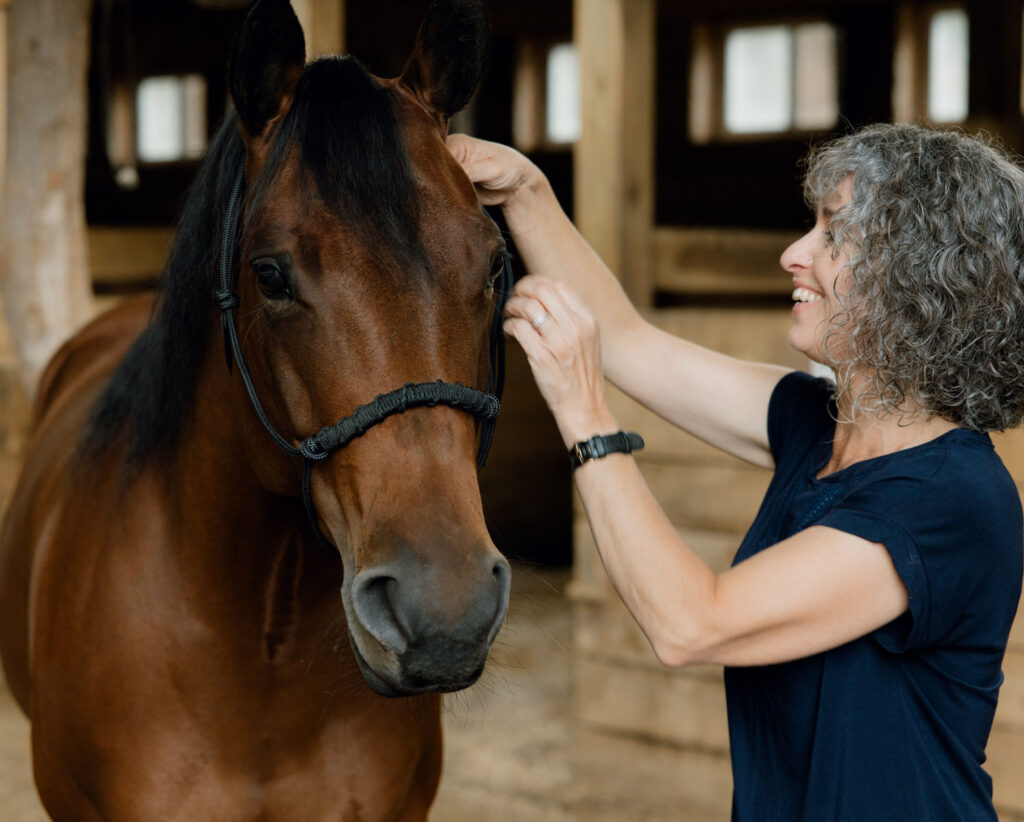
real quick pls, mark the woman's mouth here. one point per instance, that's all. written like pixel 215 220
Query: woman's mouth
pixel 805 295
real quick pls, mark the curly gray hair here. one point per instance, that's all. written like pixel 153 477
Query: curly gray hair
pixel 933 295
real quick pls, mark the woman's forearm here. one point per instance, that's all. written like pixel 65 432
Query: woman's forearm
pixel 666 586
pixel 551 246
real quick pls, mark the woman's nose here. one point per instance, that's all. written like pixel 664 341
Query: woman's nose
pixel 797 255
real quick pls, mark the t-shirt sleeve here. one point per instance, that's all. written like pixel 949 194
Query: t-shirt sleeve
pixel 948 541
pixel 915 628
pixel 798 412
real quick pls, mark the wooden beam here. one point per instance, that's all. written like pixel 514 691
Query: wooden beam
pixel 639 171
pixel 44 274
pixel 323 22
pixel 128 256
pixel 3 97
pixel 720 261
pixel 614 157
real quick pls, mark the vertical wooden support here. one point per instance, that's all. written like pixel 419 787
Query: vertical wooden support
pixel 323 22
pixel 3 98
pixel 44 273
pixel 614 158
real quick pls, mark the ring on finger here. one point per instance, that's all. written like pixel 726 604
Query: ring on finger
pixel 539 320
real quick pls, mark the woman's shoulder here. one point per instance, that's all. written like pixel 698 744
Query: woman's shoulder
pixel 953 488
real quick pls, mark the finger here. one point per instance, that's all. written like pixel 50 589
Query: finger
pixel 527 308
pixel 545 292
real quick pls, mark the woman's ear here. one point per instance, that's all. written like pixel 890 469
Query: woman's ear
pixel 447 63
pixel 268 59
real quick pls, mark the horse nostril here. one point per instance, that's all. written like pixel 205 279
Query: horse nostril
pixel 503 576
pixel 373 598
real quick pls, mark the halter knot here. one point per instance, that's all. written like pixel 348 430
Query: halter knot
pixel 311 449
pixel 227 299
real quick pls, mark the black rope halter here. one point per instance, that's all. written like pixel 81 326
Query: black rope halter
pixel 318 447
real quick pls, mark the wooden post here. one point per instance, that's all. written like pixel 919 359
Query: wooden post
pixel 44 278
pixel 3 97
pixel 614 157
pixel 323 22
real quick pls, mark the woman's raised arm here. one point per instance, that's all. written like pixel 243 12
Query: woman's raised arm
pixel 722 400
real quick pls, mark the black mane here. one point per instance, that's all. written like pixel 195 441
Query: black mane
pixel 345 128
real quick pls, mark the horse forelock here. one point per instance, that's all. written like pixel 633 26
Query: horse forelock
pixel 343 131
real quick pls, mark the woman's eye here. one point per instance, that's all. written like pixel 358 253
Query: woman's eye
pixel 272 281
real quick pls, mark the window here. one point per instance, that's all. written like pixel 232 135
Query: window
pixel 563 97
pixel 546 100
pixel 948 53
pixel 931 64
pixel 170 118
pixel 759 80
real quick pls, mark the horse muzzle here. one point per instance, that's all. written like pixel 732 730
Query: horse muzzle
pixel 415 629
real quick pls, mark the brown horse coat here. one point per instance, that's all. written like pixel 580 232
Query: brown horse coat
pixel 184 644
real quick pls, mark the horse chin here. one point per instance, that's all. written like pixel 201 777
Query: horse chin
pixel 409 683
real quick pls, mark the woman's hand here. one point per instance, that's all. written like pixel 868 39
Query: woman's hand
pixel 559 334
pixel 501 174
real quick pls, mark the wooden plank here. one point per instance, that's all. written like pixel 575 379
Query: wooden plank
pixel 755 334
pixel 323 23
pixel 1010 710
pixel 657 705
pixel 639 20
pixel 44 272
pixel 3 97
pixel 624 774
pixel 121 256
pixel 599 179
pixel 721 261
pixel 1005 753
pixel 1010 447
pixel 723 498
pixel 1017 631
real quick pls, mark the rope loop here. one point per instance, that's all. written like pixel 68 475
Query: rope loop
pixel 227 300
pixel 311 449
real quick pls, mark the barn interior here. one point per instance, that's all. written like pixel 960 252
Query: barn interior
pixel 672 132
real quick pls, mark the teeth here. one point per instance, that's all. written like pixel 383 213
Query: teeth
pixel 805 295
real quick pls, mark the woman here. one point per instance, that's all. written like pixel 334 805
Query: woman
pixel 865 619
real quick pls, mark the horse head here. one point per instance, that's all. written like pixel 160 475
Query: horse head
pixel 364 263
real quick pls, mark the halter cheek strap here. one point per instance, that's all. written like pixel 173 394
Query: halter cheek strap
pixel 318 447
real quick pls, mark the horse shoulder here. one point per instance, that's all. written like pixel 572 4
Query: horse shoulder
pixel 67 389
pixel 90 356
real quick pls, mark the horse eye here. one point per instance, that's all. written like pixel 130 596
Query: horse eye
pixel 272 282
pixel 497 266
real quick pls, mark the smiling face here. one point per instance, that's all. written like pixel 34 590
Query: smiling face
pixel 817 266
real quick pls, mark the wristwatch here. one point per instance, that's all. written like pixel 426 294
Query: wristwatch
pixel 621 442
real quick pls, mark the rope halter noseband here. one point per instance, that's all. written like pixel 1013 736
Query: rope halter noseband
pixel 318 447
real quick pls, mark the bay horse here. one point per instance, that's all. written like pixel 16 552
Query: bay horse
pixel 216 603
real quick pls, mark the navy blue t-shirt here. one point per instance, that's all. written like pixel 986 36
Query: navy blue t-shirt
pixel 891 726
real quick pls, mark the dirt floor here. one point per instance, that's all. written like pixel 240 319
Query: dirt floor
pixel 512 753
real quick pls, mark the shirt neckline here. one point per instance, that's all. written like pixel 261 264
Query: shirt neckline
pixel 872 464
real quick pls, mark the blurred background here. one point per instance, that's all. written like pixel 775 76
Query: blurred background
pixel 672 132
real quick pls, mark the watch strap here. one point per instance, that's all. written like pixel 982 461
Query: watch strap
pixel 621 442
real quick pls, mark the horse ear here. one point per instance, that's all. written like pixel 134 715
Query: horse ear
pixel 448 60
pixel 268 60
